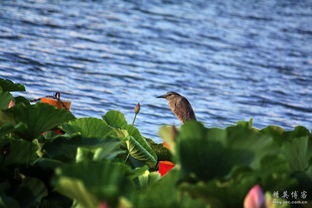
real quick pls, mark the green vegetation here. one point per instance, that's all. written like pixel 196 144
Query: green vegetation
pixel 100 162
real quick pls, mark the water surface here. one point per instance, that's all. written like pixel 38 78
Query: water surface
pixel 233 60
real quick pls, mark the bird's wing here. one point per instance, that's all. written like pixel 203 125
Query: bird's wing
pixel 184 110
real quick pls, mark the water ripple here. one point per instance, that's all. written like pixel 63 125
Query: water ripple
pixel 232 60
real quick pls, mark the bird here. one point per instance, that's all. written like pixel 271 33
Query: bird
pixel 180 106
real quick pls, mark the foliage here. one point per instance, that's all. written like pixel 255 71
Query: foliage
pixel 107 161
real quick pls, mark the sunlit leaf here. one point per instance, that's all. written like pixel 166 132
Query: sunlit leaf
pixel 115 119
pixel 103 180
pixel 76 190
pixel 108 151
pixel 88 127
pixel 65 148
pixel 37 118
pixel 168 134
pixel 148 178
pixel 139 151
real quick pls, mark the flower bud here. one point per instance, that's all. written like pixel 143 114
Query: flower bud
pixel 254 198
pixel 137 108
pixel 11 104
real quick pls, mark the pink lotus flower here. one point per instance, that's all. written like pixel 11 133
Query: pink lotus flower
pixel 254 198
pixel 103 204
pixel 11 104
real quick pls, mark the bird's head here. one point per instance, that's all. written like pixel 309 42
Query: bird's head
pixel 170 95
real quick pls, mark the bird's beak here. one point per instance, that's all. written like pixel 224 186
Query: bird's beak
pixel 161 96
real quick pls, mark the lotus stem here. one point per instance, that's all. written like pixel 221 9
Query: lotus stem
pixel 134 118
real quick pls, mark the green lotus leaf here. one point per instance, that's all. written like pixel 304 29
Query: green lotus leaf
pixel 76 190
pixel 105 180
pixel 30 192
pixel 148 178
pixel 37 118
pixel 138 147
pixel 168 134
pixel 21 99
pixel 115 119
pixel 5 98
pixel 213 152
pixel 163 154
pixel 280 135
pixel 6 128
pixel 297 153
pixel 246 138
pixel 202 152
pixel 108 151
pixel 88 127
pixel 226 194
pixel 9 86
pixel 6 201
pixel 165 193
pixel 15 152
pixel 46 163
pixel 64 148
pixel 138 151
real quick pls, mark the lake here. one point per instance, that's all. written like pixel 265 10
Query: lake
pixel 233 60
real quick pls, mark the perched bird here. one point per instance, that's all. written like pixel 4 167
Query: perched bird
pixel 180 106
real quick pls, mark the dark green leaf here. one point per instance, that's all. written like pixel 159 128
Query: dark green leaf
pixel 202 152
pixel 5 98
pixel 37 118
pixel 297 154
pixel 47 164
pixel 20 99
pixel 8 202
pixel 16 152
pixel 163 154
pixel 30 192
pixel 6 128
pixel 164 193
pixel 65 149
pixel 104 180
pixel 8 85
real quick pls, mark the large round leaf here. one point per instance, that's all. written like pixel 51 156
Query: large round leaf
pixel 35 119
pixel 90 182
pixel 8 85
pixel 138 147
pixel 115 119
pixel 88 127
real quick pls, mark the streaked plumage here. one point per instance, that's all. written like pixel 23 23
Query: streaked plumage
pixel 180 106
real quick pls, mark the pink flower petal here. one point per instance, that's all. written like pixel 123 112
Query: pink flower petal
pixel 254 198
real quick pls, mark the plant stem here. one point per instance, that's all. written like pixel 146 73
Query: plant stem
pixel 127 157
pixel 134 118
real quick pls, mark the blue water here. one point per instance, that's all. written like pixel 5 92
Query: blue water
pixel 233 60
